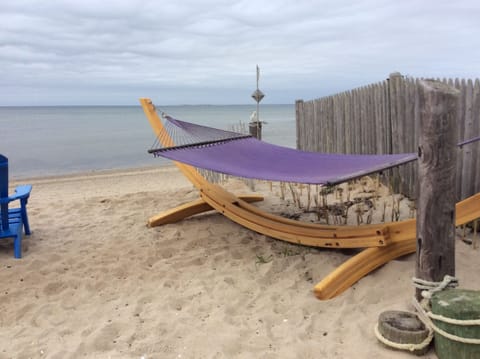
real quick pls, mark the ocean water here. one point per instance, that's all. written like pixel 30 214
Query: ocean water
pixel 42 141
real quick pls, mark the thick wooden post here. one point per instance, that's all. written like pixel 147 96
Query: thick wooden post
pixel 300 124
pixel 255 129
pixel 437 155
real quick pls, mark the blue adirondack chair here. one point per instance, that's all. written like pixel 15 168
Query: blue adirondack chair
pixel 13 220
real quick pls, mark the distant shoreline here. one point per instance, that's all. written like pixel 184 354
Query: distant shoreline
pixel 74 176
pixel 61 140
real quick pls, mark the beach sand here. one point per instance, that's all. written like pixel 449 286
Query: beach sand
pixel 95 282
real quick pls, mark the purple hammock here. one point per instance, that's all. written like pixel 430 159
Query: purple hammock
pixel 244 156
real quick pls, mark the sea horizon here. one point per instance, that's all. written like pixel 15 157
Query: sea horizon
pixel 169 105
pixel 47 140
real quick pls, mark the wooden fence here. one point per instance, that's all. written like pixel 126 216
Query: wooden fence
pixel 383 118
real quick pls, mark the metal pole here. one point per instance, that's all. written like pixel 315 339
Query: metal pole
pixel 257 96
pixel 259 135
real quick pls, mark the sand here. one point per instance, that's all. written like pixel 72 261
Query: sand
pixel 95 282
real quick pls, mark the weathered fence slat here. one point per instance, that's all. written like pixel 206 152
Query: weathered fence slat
pixel 467 169
pixel 383 118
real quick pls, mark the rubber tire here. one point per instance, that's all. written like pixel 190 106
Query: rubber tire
pixel 403 328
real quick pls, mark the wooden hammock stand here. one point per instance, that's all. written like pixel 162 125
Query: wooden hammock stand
pixel 383 242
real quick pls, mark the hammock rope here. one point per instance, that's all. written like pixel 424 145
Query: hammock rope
pixel 185 133
pixel 188 135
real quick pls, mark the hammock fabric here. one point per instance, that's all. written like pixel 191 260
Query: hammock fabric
pixel 244 156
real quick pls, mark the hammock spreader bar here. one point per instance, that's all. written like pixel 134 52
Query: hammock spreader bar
pixel 156 151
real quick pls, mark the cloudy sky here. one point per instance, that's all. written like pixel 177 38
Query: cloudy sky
pixel 82 52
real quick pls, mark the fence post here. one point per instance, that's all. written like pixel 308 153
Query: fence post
pixel 437 154
pixel 300 123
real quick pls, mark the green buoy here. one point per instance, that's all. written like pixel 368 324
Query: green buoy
pixel 456 304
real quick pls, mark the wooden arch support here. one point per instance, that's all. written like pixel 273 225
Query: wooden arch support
pixel 403 242
pixel 383 242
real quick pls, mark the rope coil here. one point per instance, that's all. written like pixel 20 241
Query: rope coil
pixel 462 322
pixel 433 287
pixel 404 346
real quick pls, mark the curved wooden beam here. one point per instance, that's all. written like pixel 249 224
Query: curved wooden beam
pixel 296 232
pixel 386 242
pixel 403 235
pixel 192 208
pixel 271 225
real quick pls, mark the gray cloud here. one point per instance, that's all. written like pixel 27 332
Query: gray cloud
pixel 112 52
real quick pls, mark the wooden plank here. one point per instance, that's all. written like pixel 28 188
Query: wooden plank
pixel 357 148
pixel 327 123
pixel 292 233
pixel 416 121
pixel 460 129
pixel 374 114
pixel 467 166
pixel 333 125
pixel 368 121
pixel 319 126
pixel 436 169
pixel 384 118
pixel 336 125
pixel 348 123
pixel 306 119
pixel 476 132
pixel 393 99
pixel 359 266
pixel 402 130
pixel 359 121
pixel 413 141
pixel 299 123
pixel 220 195
pixel 476 146
pixel 310 117
pixel 388 122
pixel 395 125
pixel 363 103
pixel 388 117
pixel 340 124
pixel 409 119
pixel 468 210
pixel 321 144
pixel 377 127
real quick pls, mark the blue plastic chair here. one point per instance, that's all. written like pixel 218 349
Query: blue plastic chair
pixel 13 220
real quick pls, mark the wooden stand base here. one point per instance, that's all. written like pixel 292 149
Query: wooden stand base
pixel 384 242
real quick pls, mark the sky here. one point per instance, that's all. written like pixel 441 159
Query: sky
pixel 111 52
